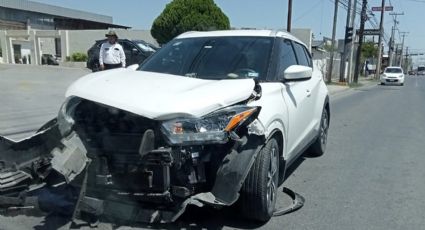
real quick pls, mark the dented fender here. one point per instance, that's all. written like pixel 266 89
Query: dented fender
pixel 233 171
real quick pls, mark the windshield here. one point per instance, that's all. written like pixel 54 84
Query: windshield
pixel 393 70
pixel 145 47
pixel 213 57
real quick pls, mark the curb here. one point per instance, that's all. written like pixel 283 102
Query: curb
pixel 366 84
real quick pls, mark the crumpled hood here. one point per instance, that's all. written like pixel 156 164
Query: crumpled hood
pixel 160 96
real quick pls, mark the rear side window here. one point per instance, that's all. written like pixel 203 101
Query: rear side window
pixel 286 56
pixel 308 55
pixel 301 55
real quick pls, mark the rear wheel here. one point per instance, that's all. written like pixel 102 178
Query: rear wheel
pixel 259 191
pixel 318 148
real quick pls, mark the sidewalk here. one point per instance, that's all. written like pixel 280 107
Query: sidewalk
pixel 335 87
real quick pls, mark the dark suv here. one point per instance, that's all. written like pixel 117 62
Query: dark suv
pixel 136 51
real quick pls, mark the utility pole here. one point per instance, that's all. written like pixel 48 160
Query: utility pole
pixel 350 59
pixel 391 45
pixel 381 32
pixel 406 60
pixel 347 43
pixel 330 67
pixel 288 25
pixel 359 49
pixel 403 34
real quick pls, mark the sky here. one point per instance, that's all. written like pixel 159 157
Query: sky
pixel 270 14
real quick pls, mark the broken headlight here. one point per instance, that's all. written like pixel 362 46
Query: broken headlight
pixel 212 128
pixel 65 120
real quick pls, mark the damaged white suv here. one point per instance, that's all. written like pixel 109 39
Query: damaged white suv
pixel 212 118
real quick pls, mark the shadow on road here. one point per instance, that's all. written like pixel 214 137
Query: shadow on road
pixel 193 218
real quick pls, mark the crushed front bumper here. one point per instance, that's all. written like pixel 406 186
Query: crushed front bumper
pixel 41 164
pixel 30 161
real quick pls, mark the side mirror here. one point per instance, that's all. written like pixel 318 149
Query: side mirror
pixel 135 51
pixel 133 67
pixel 297 73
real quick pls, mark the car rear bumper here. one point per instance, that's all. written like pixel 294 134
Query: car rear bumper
pixel 395 81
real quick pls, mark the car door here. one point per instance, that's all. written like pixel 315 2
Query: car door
pixel 297 95
pixel 312 88
pixel 128 50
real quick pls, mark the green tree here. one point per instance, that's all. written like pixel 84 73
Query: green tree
pixel 369 50
pixel 180 16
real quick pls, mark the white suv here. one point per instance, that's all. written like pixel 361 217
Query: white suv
pixel 211 118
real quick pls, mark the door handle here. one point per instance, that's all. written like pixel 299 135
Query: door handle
pixel 308 93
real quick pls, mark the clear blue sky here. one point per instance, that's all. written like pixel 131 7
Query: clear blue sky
pixel 314 14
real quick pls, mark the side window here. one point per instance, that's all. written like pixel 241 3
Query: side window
pixel 127 48
pixel 307 53
pixel 301 55
pixel 286 56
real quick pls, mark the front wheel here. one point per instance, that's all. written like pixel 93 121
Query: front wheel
pixel 259 191
pixel 318 147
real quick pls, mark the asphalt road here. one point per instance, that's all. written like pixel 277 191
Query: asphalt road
pixel 31 96
pixel 371 176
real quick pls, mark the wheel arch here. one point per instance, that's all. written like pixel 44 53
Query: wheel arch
pixel 327 107
pixel 278 135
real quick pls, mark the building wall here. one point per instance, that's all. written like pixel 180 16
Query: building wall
pixel 47 46
pixel 68 41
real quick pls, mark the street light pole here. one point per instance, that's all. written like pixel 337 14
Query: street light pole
pixel 381 32
pixel 406 60
pixel 330 67
pixel 403 34
pixel 347 44
pixel 391 45
pixel 289 21
pixel 350 59
pixel 359 49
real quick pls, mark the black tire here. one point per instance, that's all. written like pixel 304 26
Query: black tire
pixel 259 191
pixel 318 147
pixel 401 84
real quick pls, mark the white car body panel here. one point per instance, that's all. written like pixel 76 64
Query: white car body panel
pixel 304 117
pixel 288 108
pixel 160 96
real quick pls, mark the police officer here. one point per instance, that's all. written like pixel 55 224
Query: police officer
pixel 111 53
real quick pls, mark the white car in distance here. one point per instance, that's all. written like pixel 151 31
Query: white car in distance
pixel 392 75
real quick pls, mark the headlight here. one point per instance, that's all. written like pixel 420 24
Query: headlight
pixel 65 120
pixel 213 128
